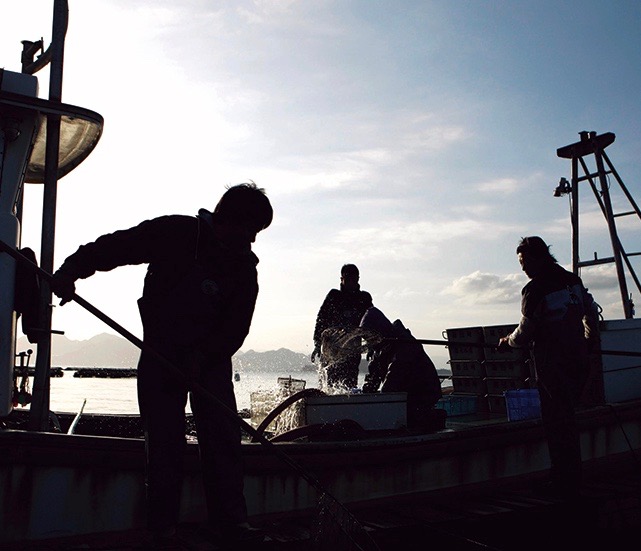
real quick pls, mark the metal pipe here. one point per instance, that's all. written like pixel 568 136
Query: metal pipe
pixel 494 346
pixel 621 184
pixel 616 245
pixel 39 413
pixel 574 216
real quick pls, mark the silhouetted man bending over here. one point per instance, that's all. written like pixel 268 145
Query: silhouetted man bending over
pixel 197 305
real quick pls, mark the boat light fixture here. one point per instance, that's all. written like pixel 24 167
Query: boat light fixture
pixel 563 188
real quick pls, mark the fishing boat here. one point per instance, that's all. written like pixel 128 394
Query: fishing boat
pixel 58 480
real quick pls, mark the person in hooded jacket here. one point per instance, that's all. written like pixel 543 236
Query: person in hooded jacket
pixel 196 308
pixel 400 366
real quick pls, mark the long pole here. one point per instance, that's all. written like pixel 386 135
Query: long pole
pixel 39 413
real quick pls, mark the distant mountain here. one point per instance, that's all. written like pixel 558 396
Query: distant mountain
pixel 106 350
pixel 103 350
pixel 282 360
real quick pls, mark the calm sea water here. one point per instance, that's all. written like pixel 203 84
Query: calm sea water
pixel 105 395
pixel 118 395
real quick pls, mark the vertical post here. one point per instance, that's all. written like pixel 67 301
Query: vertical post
pixel 574 215
pixel 39 413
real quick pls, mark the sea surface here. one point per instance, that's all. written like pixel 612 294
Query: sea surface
pixel 118 395
pixel 70 394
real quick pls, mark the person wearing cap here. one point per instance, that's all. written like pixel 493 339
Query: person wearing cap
pixel 340 313
pixel 399 363
pixel 196 308
pixel 559 322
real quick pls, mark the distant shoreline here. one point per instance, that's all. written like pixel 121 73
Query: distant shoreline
pixel 128 372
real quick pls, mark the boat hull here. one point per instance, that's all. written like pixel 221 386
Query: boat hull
pixel 59 484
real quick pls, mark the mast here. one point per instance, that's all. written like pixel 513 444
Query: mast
pixel 593 144
pixel 41 140
pixel 39 413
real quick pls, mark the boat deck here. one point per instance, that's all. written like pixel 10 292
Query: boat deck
pixel 505 516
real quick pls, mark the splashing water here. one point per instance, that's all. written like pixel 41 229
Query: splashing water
pixel 337 346
pixel 264 401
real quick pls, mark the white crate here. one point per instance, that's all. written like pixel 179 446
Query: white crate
pixel 376 411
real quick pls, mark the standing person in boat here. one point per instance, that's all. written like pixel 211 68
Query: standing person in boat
pixel 559 321
pixel 196 308
pixel 339 314
pixel 400 366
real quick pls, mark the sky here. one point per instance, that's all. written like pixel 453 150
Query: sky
pixel 416 139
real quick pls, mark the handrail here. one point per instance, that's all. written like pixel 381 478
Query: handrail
pixel 494 346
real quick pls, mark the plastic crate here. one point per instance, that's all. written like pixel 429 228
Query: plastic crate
pixel 506 353
pixel 465 334
pixel 507 368
pixel 463 351
pixel 522 404
pixel 458 404
pixel 492 334
pixel 498 385
pixel 469 385
pixel 291 386
pixel 464 368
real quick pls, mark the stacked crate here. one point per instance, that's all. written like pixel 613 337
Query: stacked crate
pixel 505 369
pixel 484 371
pixel 466 363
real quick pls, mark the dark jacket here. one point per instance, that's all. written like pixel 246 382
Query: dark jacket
pixel 557 317
pixel 195 291
pixel 341 309
pixel 403 367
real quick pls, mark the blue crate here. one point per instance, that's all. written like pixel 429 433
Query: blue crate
pixel 522 404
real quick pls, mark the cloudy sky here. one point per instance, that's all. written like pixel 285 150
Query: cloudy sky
pixel 416 139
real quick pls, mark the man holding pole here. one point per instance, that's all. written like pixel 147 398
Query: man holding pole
pixel 197 305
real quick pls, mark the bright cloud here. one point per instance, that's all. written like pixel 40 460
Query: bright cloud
pixel 484 288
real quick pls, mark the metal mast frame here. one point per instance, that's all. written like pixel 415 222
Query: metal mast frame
pixel 593 144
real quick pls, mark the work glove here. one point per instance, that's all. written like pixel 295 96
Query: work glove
pixel 63 286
